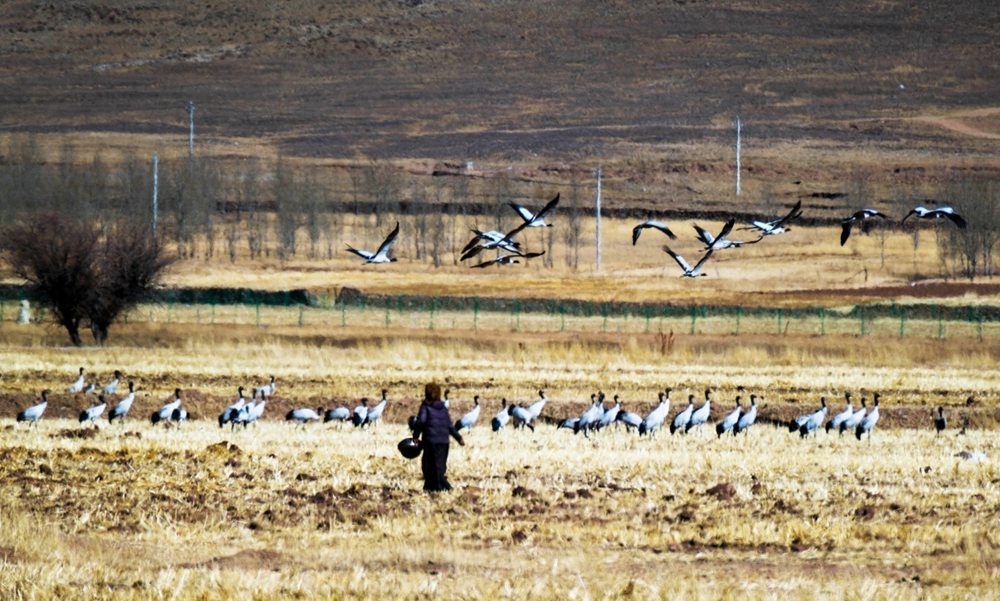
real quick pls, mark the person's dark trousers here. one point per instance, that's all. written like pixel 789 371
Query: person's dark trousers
pixel 434 462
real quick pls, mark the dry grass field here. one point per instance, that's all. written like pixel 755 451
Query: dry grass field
pixel 195 512
pixel 899 97
pixel 276 512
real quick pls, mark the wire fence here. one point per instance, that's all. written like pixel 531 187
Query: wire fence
pixel 697 321
pixel 507 315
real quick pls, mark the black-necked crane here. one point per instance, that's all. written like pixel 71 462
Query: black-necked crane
pixel 112 386
pixel 841 417
pixel 493 241
pixel 122 408
pixel 166 412
pixel 855 419
pixel 651 224
pixel 747 418
pixel 337 414
pixel 778 226
pixel 375 413
pixel 591 416
pixel 511 259
pixel 939 422
pixel 470 418
pixel 721 242
pixel 34 413
pixel 937 213
pixel 568 423
pixel 268 389
pixel 655 418
pixel 304 415
pixel 868 423
pixel 814 421
pixel 860 218
pixel 228 415
pixel 92 414
pixel 522 417
pixel 255 411
pixel 729 422
pixel 610 414
pixel 700 416
pixel 689 272
pixel 630 419
pixel 535 219
pixel 535 409
pixel 382 254
pixel 682 419
pixel 77 386
pixel 502 417
pixel 360 413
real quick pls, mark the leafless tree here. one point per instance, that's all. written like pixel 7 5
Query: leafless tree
pixel 572 228
pixel 250 201
pixel 56 257
pixel 288 214
pixel 969 251
pixel 80 274
pixel 129 264
pixel 384 188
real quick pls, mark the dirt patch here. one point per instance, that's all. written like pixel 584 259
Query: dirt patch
pixel 78 433
pixel 722 492
pixel 248 560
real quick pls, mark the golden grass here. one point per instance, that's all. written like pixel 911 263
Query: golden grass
pixel 800 268
pixel 328 513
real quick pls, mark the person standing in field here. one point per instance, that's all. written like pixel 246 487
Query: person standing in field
pixel 434 425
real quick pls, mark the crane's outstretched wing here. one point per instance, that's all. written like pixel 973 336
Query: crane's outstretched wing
pixel 364 254
pixel 656 225
pixel 386 246
pixel 680 260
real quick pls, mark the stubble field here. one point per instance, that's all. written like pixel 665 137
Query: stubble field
pixel 195 512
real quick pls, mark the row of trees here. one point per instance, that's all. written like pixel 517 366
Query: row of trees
pixel 210 209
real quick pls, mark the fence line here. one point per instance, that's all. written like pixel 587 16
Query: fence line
pixel 395 313
pixel 698 321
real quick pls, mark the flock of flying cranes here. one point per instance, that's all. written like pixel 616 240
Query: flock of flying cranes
pixel 597 416
pixel 506 242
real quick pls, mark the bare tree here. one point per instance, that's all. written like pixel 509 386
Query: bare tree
pixel 384 188
pixel 459 201
pixel 249 199
pixel 129 265
pixel 57 258
pixel 80 274
pixel 288 214
pixel 969 251
pixel 572 228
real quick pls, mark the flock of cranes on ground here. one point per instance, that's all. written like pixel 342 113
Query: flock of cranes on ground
pixel 598 415
pixel 506 243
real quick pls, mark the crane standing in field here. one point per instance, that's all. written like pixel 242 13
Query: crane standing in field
pixel 122 408
pixel 868 423
pixel 34 413
pixel 655 418
pixel 682 419
pixel 747 418
pixel 729 422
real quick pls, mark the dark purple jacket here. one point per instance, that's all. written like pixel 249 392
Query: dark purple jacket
pixel 434 424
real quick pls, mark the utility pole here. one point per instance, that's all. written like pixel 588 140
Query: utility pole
pixel 738 132
pixel 597 215
pixel 156 189
pixel 190 112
